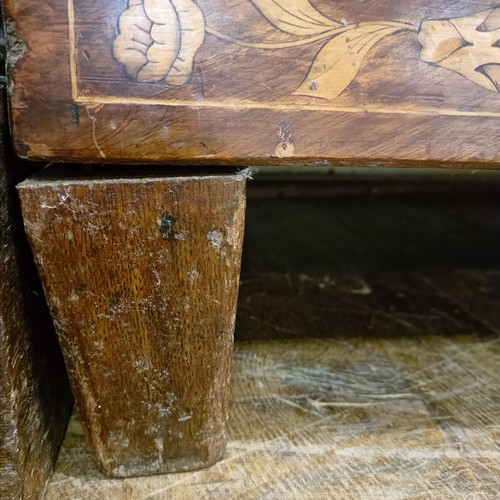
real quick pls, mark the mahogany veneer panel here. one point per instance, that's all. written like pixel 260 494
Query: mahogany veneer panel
pixel 256 81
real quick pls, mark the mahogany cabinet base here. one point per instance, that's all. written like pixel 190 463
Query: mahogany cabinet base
pixel 141 276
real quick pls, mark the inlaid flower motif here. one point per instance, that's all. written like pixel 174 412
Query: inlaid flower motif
pixel 469 46
pixel 158 40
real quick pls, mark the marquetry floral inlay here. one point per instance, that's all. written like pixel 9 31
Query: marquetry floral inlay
pixel 468 45
pixel 158 41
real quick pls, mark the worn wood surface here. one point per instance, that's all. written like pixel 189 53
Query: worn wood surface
pixel 400 385
pixel 411 413
pixel 141 276
pixel 256 81
pixel 35 400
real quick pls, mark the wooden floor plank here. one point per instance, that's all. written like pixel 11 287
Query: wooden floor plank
pixel 387 304
pixel 473 291
pixel 312 419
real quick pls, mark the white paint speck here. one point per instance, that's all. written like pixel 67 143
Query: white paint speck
pixel 216 238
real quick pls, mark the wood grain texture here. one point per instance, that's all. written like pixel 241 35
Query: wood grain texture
pixel 413 414
pixel 141 276
pixel 399 375
pixel 35 399
pixel 256 81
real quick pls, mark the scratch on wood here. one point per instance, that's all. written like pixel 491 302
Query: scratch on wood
pixel 286 140
pixel 93 119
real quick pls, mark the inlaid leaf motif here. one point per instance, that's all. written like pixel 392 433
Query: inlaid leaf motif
pixel 339 61
pixel 492 22
pixel 296 17
pixel 468 45
pixel 158 40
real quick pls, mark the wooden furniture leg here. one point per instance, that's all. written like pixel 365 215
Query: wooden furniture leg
pixel 141 276
pixel 35 398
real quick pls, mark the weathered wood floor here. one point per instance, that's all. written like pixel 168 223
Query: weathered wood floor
pixel 394 395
